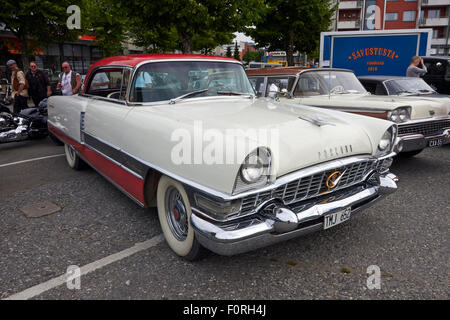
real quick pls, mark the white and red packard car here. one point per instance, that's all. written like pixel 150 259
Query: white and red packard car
pixel 325 165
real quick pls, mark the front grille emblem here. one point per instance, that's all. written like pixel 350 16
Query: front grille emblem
pixel 432 112
pixel 334 179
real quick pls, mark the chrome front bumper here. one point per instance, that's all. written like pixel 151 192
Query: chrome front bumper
pixel 418 141
pixel 276 222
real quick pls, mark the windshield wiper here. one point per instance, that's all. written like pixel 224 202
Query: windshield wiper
pixel 234 93
pixel 174 100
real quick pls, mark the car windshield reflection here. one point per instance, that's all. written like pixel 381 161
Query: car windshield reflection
pixel 328 82
pixel 408 86
pixel 176 80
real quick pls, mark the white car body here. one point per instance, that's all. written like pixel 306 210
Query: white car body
pixel 132 145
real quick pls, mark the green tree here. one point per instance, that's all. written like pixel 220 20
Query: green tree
pixel 189 25
pixel 36 24
pixel 106 20
pixel 247 57
pixel 236 52
pixel 228 53
pixel 292 25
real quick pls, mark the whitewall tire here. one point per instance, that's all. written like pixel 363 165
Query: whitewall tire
pixel 73 160
pixel 174 212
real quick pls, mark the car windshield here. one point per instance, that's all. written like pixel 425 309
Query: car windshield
pixel 176 80
pixel 328 82
pixel 408 86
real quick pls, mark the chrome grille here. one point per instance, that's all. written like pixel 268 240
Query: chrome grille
pixel 311 186
pixel 429 128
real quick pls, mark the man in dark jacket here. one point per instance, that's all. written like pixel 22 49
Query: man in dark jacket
pixel 39 85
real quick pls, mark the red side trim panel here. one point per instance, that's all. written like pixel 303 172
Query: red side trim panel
pixel 130 183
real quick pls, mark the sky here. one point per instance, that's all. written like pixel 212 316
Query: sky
pixel 242 37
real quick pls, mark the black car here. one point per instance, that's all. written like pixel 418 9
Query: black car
pixel 438 75
pixel 399 86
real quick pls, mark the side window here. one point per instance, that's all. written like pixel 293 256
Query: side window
pixel 381 90
pixel 258 85
pixel 370 86
pixel 279 83
pixel 308 86
pixel 108 83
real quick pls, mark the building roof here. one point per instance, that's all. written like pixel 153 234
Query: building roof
pixel 134 59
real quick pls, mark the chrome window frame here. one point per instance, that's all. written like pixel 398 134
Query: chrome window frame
pixel 164 102
pixel 96 97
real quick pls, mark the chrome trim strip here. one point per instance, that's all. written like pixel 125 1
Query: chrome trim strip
pixel 420 121
pixel 115 155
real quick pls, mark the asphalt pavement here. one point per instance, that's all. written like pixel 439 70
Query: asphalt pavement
pixel 406 236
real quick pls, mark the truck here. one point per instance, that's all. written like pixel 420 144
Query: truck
pixel 375 52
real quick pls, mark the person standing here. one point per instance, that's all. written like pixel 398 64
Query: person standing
pixel 69 81
pixel 414 70
pixel 39 84
pixel 19 87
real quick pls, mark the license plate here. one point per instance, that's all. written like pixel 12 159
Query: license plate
pixel 336 218
pixel 435 143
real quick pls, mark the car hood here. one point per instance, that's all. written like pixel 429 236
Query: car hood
pixel 420 107
pixel 295 143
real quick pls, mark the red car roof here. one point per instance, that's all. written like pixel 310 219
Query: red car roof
pixel 133 59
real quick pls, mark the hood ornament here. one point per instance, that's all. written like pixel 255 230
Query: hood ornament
pixel 318 120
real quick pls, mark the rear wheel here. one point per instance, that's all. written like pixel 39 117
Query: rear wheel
pixel 174 212
pixel 73 159
pixel 409 154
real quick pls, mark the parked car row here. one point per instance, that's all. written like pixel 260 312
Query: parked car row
pixel 423 121
pixel 319 168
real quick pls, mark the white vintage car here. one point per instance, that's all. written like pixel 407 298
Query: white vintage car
pixel 143 131
pixel 422 122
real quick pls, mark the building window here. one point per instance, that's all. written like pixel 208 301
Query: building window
pixel 409 16
pixel 433 14
pixel 391 16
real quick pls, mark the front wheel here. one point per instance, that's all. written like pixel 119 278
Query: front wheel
pixel 74 161
pixel 174 212
pixel 409 154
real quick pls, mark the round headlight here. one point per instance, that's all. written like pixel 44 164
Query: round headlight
pixel 394 116
pixel 252 169
pixel 386 141
pixel 399 115
pixel 403 115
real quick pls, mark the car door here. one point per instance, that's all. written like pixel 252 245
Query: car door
pixel 104 119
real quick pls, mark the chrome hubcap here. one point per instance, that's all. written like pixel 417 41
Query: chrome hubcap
pixel 176 214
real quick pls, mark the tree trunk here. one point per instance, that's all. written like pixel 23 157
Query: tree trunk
pixel 24 50
pixel 186 43
pixel 290 49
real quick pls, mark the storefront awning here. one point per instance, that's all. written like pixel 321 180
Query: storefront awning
pixel 13 46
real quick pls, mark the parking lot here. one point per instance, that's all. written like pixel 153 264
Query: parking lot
pixel 406 236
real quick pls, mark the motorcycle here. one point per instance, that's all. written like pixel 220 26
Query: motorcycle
pixel 30 123
pixel 5 92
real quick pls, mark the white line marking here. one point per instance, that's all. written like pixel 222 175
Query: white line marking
pixel 29 160
pixel 55 282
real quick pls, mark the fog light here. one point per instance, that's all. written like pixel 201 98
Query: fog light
pixel 218 209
